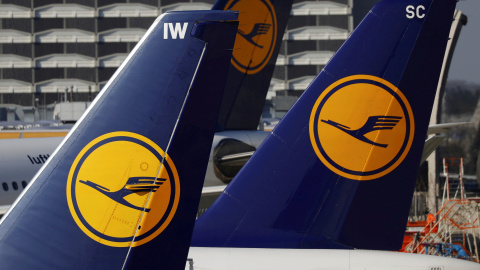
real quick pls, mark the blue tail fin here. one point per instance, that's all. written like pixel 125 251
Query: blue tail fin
pixel 123 188
pixel 260 34
pixel 339 171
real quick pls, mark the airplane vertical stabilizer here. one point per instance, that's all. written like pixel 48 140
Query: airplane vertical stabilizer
pixel 260 35
pixel 339 171
pixel 122 190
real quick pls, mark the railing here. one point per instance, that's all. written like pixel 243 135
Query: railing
pixel 455 217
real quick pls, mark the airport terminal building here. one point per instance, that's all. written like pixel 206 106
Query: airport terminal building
pixel 65 50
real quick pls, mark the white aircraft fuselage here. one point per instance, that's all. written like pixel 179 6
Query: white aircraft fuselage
pixel 318 259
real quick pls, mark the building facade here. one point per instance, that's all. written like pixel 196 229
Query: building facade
pixel 65 50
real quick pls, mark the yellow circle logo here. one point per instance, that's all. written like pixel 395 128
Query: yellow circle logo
pixel 119 192
pixel 257 34
pixel 361 127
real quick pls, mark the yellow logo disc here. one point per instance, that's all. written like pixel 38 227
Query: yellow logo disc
pixel 361 127
pixel 118 191
pixel 257 34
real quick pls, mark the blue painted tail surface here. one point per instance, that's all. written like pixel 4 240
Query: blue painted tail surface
pixel 260 34
pixel 123 188
pixel 339 171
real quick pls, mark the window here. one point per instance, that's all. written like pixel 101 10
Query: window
pixel 15 185
pixel 24 184
pixel 5 186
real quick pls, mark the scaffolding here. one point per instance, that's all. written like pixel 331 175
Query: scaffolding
pixel 453 186
pixel 454 229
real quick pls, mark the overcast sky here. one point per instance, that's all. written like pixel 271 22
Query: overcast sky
pixel 466 58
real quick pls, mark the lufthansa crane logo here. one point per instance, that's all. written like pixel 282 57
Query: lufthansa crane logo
pixel 257 34
pixel 361 127
pixel 119 191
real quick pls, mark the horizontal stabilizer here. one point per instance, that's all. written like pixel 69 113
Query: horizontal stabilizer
pixel 446 127
pixel 430 145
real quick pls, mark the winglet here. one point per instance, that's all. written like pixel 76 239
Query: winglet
pixel 151 121
pixel 312 185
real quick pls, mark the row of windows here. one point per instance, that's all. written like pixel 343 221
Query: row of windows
pixel 91 3
pixel 43 74
pixel 108 49
pixel 98 3
pixel 14 185
pixel 51 80
pixel 90 25
pixel 40 99
pixel 80 61
pixel 87 49
pixel 101 25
